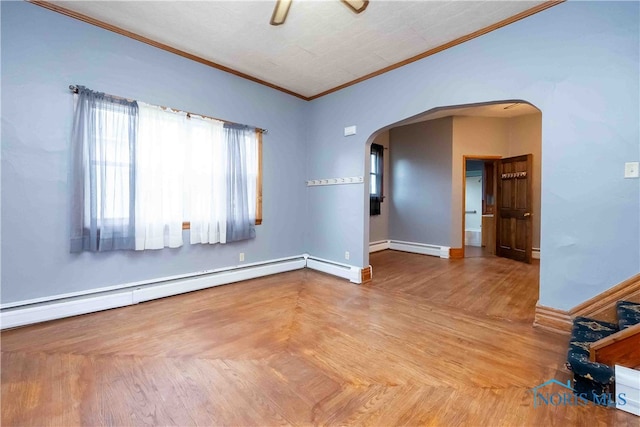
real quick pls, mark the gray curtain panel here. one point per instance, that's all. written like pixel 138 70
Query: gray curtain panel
pixel 103 173
pixel 239 225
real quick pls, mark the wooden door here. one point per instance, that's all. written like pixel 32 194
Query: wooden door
pixel 513 222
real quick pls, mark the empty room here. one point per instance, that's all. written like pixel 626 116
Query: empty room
pixel 320 212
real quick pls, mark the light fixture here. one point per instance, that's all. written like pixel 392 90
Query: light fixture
pixel 280 12
pixel 356 5
pixel 282 9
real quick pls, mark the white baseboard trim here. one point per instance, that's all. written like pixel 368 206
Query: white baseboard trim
pixel 420 248
pixel 223 278
pixel 27 312
pixel 378 246
pixel 129 285
pixel 628 385
pixel 345 271
pixel 43 312
pixel 535 253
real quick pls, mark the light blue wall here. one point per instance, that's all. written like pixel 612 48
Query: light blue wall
pixel 578 62
pixel 421 182
pixel 42 53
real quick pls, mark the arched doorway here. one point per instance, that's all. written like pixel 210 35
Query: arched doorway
pixel 424 176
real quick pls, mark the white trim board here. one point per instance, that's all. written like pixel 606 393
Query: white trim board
pixel 628 384
pixel 346 271
pixel 223 278
pixel 153 281
pixel 420 248
pixel 378 246
pixel 535 253
pixel 38 310
pixel 28 313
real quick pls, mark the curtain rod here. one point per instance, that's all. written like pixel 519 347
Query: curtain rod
pixel 74 89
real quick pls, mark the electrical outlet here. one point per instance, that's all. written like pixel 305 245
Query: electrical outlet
pixel 241 256
pixel 346 255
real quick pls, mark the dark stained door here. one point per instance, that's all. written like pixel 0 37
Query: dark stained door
pixel 513 224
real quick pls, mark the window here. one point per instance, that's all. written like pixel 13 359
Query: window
pixel 113 159
pixel 143 173
pixel 375 179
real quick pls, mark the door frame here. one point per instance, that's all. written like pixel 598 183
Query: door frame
pixel 466 157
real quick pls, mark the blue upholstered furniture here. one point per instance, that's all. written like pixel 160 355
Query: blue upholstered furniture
pixel 628 314
pixel 589 377
pixel 592 378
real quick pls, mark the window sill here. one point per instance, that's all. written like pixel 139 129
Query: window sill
pixel 187 225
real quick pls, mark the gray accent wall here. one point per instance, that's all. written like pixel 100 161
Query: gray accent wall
pixel 421 182
pixel 439 207
pixel 42 53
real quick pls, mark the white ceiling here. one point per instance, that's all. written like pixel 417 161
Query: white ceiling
pixel 501 111
pixel 322 44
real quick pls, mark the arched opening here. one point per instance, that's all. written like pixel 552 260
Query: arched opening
pixel 428 160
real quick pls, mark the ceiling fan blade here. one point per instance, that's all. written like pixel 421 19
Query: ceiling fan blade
pixel 280 12
pixel 356 5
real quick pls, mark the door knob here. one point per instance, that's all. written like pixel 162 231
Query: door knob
pixel 526 214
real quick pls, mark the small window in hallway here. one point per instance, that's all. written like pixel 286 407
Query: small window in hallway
pixel 375 183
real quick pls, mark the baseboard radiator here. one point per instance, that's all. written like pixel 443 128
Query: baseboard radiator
pixel 419 248
pixel 413 247
pixel 352 273
pixel 59 306
pixel 378 246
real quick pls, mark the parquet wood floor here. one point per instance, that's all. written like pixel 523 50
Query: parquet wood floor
pixel 427 342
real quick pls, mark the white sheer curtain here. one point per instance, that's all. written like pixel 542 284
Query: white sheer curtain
pixel 160 178
pixel 140 171
pixel 206 181
pixel 193 169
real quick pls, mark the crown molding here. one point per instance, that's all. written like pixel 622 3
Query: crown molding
pixel 460 40
pixel 143 39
